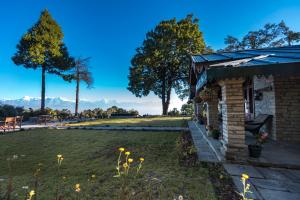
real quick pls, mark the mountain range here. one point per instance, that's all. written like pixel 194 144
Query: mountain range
pixel 146 107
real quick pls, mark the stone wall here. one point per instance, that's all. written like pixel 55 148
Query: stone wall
pixel 265 105
pixel 287 104
pixel 233 116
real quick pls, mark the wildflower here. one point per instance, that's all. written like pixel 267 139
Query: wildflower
pixel 246 187
pixel 130 160
pixel 140 165
pixel 125 165
pixel 60 158
pixel 121 149
pixel 93 176
pixel 77 187
pixel 180 197
pixel 127 153
pixel 31 194
pixel 245 176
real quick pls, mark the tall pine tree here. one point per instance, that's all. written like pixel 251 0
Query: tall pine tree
pixel 42 47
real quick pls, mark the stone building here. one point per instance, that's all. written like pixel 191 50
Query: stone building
pixel 248 83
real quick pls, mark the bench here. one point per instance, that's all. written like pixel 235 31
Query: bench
pixel 43 119
pixel 8 123
pixel 254 125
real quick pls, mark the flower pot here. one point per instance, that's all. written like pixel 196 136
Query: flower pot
pixel 254 150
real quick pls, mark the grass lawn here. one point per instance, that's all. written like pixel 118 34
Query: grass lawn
pixel 88 152
pixel 151 121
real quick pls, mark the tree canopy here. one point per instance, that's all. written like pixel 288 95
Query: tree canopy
pixel 271 35
pixel 162 62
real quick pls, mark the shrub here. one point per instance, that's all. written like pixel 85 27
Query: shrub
pixel 186 150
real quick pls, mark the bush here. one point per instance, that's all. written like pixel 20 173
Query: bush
pixel 215 134
pixel 186 150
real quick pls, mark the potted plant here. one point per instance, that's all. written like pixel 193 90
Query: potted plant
pixel 197 99
pixel 255 149
pixel 206 94
pixel 215 134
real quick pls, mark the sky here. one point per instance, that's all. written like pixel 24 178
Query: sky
pixel 109 31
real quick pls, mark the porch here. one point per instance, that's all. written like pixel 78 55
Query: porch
pixel 266 82
pixel 274 154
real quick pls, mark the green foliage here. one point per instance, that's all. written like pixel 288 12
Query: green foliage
pixel 174 112
pixel 271 35
pixel 42 47
pixel 215 134
pixel 10 111
pixel 99 113
pixel 162 62
pixel 187 152
pixel 187 109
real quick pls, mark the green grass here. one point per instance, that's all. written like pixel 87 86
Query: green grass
pixel 151 121
pixel 88 152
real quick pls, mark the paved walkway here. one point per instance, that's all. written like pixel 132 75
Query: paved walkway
pixel 126 128
pixel 266 183
pixel 204 151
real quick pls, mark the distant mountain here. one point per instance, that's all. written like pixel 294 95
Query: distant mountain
pixel 150 107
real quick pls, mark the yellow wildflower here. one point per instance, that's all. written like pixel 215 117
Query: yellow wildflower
pixel 127 153
pixel 77 187
pixel 125 165
pixel 121 149
pixel 245 176
pixel 130 160
pixel 142 159
pixel 60 158
pixel 93 176
pixel 31 194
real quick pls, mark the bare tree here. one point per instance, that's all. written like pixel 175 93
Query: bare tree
pixel 80 73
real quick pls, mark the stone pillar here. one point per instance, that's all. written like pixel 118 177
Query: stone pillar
pixel 212 111
pixel 233 115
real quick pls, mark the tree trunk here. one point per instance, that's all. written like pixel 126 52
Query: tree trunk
pixel 163 95
pixel 43 88
pixel 166 95
pixel 77 96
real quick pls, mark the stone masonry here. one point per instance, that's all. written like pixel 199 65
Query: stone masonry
pixel 233 116
pixel 212 111
pixel 287 108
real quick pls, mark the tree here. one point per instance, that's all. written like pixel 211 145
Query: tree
pixel 42 47
pixel 289 36
pixel 271 35
pixel 187 109
pixel 80 73
pixel 174 112
pixel 233 44
pixel 162 62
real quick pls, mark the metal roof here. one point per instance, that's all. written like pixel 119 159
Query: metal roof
pixel 246 63
pixel 274 55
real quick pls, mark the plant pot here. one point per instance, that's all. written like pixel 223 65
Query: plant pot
pixel 215 134
pixel 254 150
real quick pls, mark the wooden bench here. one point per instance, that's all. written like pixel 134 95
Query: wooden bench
pixel 44 119
pixel 254 125
pixel 8 123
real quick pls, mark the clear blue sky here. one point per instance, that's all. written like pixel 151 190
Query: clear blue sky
pixel 110 30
